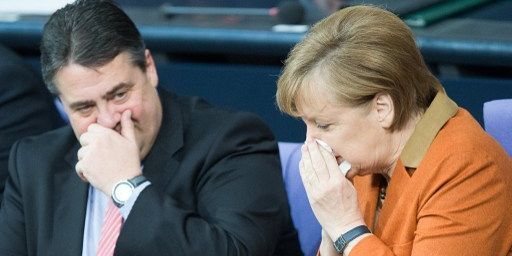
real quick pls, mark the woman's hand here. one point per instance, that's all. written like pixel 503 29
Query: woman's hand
pixel 327 245
pixel 333 198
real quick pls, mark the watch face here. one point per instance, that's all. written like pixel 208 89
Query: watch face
pixel 123 191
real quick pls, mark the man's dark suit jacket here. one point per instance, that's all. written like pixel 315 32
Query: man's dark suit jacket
pixel 26 108
pixel 216 190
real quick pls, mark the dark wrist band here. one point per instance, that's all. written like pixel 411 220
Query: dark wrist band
pixel 341 243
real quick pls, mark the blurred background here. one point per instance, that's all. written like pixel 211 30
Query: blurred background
pixel 231 52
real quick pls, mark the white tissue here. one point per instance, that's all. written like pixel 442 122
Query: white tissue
pixel 324 145
pixel 344 166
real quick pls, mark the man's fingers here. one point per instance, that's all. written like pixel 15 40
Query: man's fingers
pixel 85 139
pixel 94 127
pixel 127 129
pixel 79 171
pixel 80 154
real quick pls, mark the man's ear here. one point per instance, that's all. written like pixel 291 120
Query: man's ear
pixel 384 109
pixel 151 69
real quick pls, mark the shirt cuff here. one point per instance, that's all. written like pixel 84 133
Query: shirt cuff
pixel 127 207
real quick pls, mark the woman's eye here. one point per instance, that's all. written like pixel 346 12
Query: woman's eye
pixel 323 127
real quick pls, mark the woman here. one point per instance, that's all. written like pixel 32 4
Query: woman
pixel 425 178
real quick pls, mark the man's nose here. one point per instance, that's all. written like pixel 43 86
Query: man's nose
pixel 108 118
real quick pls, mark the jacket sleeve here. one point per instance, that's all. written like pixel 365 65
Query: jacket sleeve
pixel 241 206
pixel 12 231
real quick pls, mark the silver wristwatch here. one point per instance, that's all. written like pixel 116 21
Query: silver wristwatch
pixel 123 190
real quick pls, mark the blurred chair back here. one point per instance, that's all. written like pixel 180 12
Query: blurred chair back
pixel 498 121
pixel 303 218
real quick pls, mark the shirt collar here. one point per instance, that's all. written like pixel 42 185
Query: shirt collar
pixel 437 114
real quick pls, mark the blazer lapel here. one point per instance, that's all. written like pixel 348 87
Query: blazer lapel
pixel 70 203
pixel 367 192
pixel 162 159
pixel 393 200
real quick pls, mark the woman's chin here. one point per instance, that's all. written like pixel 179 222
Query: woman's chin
pixel 357 172
pixel 351 174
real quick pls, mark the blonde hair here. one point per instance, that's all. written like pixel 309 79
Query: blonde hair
pixel 359 51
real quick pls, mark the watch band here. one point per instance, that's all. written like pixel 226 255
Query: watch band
pixel 352 234
pixel 137 180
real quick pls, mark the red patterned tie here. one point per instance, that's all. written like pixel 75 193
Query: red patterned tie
pixel 110 230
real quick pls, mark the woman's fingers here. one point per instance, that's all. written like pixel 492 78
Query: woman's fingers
pixel 308 172
pixel 330 163
pixel 317 160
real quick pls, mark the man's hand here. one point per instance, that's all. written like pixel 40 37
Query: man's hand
pixel 106 156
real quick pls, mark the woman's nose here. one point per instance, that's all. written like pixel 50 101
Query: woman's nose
pixel 310 132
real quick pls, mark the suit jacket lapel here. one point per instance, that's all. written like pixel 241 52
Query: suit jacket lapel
pixel 161 160
pixel 70 203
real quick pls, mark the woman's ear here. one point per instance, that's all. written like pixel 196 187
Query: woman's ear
pixel 384 109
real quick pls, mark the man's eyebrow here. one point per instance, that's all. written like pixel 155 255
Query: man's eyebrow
pixel 79 104
pixel 122 85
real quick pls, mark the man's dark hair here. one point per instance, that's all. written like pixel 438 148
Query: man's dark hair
pixel 89 33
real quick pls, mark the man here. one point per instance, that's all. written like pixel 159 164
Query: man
pixel 171 175
pixel 26 108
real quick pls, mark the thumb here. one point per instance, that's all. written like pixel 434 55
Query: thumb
pixel 127 129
